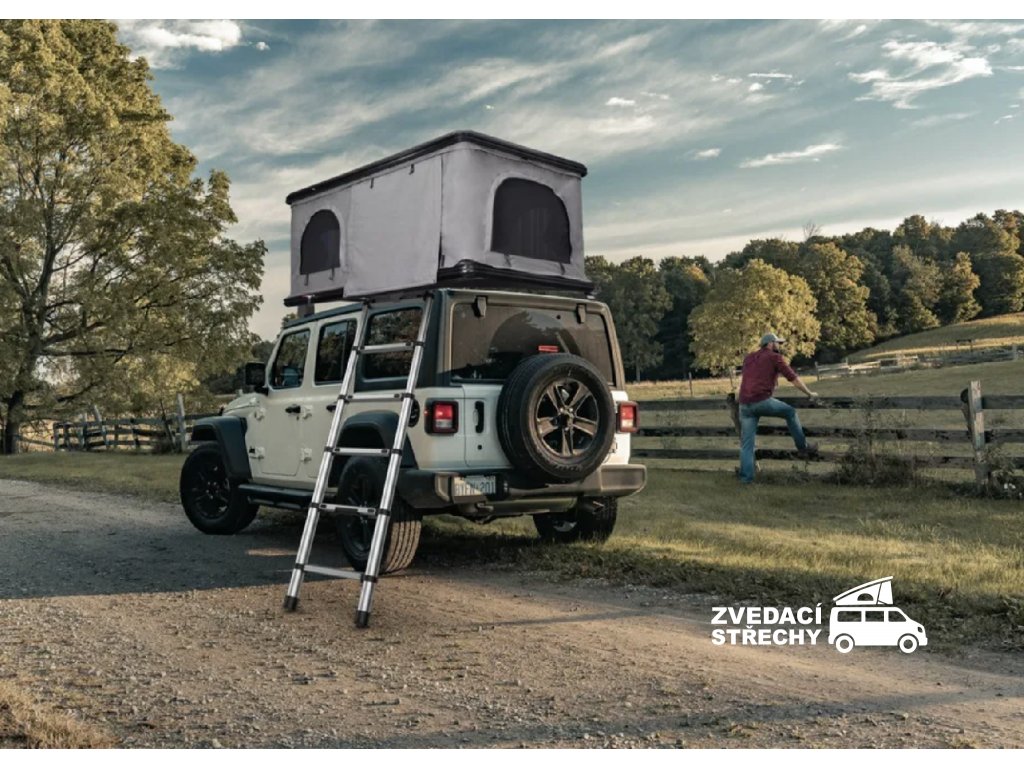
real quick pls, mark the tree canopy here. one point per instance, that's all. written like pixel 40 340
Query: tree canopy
pixel 742 305
pixel 111 253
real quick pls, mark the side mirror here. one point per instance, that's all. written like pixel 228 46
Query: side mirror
pixel 256 376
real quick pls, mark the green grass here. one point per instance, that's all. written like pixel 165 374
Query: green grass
pixel 958 561
pixel 155 477
pixel 1003 330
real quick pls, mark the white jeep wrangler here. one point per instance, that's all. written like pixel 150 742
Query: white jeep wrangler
pixel 519 406
pixel 519 409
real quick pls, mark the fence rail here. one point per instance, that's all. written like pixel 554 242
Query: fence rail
pixel 929 446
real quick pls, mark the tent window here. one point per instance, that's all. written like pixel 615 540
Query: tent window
pixel 530 220
pixel 320 249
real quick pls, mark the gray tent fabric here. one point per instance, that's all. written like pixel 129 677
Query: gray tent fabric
pixel 413 220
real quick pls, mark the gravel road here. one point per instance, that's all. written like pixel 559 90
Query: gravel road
pixel 119 612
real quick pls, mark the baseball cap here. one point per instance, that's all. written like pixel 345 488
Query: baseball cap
pixel 769 338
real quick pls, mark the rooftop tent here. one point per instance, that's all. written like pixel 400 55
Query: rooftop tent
pixel 464 209
pixel 877 592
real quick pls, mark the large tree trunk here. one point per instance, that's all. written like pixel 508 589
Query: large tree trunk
pixel 12 427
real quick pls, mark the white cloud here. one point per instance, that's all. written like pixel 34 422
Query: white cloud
pixel 1003 119
pixel 160 41
pixel 618 101
pixel 945 64
pixel 707 154
pixel 659 96
pixel 933 120
pixel 755 87
pixel 734 80
pixel 262 46
pixel 771 75
pixel 621 126
pixel 859 30
pixel 812 153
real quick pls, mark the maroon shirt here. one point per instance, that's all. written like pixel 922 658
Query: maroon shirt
pixel 761 371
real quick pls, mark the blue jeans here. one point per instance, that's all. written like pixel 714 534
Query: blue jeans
pixel 749 416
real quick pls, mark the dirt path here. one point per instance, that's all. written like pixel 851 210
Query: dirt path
pixel 121 612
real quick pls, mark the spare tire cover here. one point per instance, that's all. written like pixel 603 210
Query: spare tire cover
pixel 556 418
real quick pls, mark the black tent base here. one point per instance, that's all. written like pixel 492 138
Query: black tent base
pixel 465 274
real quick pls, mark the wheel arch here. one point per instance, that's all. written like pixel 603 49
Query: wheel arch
pixel 228 432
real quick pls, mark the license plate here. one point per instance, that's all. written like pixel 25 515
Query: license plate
pixel 474 485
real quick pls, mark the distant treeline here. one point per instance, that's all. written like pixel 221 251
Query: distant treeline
pixel 831 295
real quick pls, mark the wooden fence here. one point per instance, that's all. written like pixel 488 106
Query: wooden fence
pixel 169 433
pixel 961 355
pixel 970 446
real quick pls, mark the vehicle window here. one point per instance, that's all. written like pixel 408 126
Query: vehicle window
pixel 488 348
pixel 865 598
pixel 874 615
pixel 388 328
pixel 530 220
pixel 897 616
pixel 332 351
pixel 290 361
pixel 848 616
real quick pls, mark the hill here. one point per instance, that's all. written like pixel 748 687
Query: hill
pixel 991 332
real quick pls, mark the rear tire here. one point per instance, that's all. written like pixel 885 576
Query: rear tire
pixel 361 484
pixel 211 500
pixel 908 643
pixel 556 418
pixel 590 520
pixel 844 643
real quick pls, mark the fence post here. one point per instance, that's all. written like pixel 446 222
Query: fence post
pixel 83 442
pixel 975 415
pixel 182 437
pixel 135 434
pixel 56 437
pixel 689 377
pixel 102 425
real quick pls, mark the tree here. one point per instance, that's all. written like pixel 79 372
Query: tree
pixel 637 298
pixel 1001 274
pixel 687 283
pixel 834 277
pixel 742 305
pixel 111 254
pixel 956 295
pixel 916 283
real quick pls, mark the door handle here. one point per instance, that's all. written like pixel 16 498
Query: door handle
pixel 293 409
pixel 479 408
pixel 332 407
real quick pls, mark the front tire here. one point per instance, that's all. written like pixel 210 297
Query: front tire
pixel 589 520
pixel 908 643
pixel 361 484
pixel 212 502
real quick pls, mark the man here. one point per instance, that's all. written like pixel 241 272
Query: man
pixel 761 371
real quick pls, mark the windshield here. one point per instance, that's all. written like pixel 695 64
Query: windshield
pixel 488 348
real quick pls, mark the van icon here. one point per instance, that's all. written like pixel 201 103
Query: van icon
pixel 865 615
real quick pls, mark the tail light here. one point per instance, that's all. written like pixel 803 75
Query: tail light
pixel 442 417
pixel 629 417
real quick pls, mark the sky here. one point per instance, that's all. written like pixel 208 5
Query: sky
pixel 698 135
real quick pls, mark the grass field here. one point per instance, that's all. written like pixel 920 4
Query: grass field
pixel 958 561
pixel 990 332
pixel 27 725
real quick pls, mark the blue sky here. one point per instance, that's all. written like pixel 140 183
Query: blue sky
pixel 699 135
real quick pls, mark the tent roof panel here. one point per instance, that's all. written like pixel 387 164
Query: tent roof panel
pixel 421 150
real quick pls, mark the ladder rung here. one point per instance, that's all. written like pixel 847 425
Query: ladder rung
pixel 335 572
pixel 374 397
pixel 348 509
pixel 398 346
pixel 343 451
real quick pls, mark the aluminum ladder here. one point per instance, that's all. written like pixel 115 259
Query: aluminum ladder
pixel 382 512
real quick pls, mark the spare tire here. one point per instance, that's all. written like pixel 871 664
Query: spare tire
pixel 556 418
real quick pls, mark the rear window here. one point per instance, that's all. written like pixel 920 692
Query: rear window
pixel 488 348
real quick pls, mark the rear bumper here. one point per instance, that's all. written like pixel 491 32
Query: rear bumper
pixel 427 489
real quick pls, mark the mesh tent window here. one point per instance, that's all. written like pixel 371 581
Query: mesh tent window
pixel 530 220
pixel 320 248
